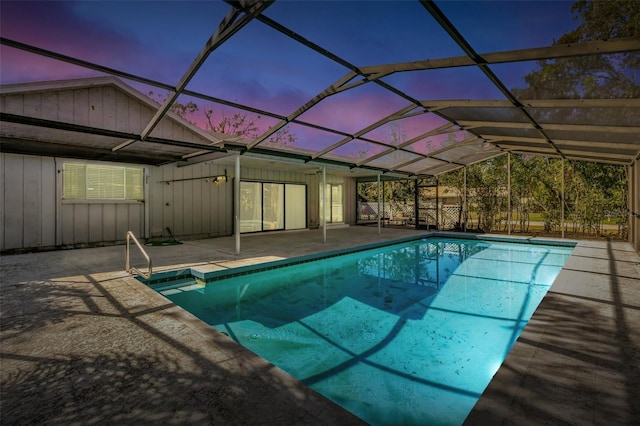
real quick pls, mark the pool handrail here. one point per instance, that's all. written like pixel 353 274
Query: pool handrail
pixel 132 269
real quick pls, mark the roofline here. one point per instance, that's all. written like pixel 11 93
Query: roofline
pixel 88 82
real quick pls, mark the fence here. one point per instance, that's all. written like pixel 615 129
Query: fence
pixel 448 215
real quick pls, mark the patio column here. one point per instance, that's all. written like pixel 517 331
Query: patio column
pixel 323 194
pixel 416 201
pixel 464 200
pixel 437 204
pixel 379 232
pixel 509 193
pixel 236 204
pixel 562 201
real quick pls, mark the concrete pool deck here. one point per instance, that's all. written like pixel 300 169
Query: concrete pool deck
pixel 85 343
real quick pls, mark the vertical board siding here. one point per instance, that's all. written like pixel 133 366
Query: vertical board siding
pixel 50 105
pixel 28 201
pixel 96 223
pixel 191 207
pixel 66 219
pixel 155 201
pixel 13 201
pixel 205 202
pixel 122 222
pixel 109 107
pixel 49 201
pixel 66 107
pixel 90 223
pixel 109 222
pixel 122 111
pixel 3 180
pixel 199 187
pixel 13 104
pixel 33 105
pixel 81 223
pixel 96 108
pixel 32 202
pixel 81 107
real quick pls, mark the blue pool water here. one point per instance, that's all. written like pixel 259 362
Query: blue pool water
pixel 404 334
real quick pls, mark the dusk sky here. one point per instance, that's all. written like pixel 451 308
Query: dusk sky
pixel 262 68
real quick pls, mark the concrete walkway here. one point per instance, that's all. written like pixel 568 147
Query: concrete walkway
pixel 84 343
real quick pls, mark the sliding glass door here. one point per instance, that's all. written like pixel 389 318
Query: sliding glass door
pixel 250 206
pixel 272 206
pixel 334 207
pixel 267 206
pixel 295 209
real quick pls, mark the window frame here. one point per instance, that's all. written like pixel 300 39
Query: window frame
pixel 123 169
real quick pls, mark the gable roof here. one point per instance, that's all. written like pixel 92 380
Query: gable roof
pixel 95 119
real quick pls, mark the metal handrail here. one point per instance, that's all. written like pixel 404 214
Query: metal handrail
pixel 131 269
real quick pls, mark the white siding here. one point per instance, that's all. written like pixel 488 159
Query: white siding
pixel 90 222
pixel 28 201
pixel 193 206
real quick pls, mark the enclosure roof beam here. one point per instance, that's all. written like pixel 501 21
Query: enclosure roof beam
pixel 229 26
pixel 567 50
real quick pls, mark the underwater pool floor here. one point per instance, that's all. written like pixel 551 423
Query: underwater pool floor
pixel 83 342
pixel 409 333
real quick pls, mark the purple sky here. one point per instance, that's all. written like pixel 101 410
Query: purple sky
pixel 260 67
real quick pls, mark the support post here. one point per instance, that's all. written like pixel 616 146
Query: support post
pixel 465 209
pixel 509 193
pixel 324 204
pixel 379 217
pixel 562 201
pixel 236 204
pixel 437 204
pixel 416 202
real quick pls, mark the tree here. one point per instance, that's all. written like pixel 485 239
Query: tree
pixel 185 111
pixel 592 190
pixel 239 124
pixel 593 76
pixel 236 124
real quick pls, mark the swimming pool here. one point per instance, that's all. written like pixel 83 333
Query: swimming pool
pixel 409 333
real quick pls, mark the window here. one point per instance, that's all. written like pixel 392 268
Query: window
pixel 101 182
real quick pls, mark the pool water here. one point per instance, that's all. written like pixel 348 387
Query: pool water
pixel 404 334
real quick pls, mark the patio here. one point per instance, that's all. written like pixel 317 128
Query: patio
pixel 83 342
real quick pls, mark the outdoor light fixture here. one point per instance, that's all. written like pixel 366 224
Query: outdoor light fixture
pixel 219 179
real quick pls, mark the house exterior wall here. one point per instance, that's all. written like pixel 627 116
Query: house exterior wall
pixel 33 214
pixel 28 200
pixel 193 206
pixel 187 202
